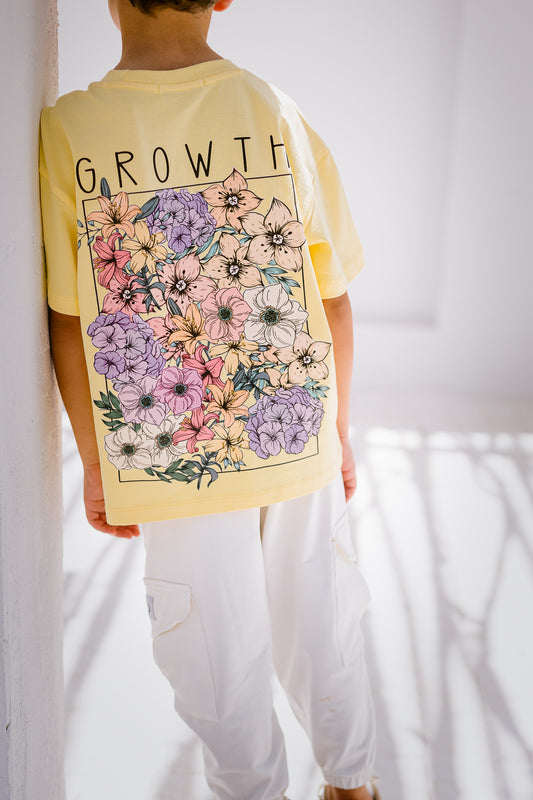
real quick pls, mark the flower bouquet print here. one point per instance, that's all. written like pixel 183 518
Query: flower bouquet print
pixel 202 342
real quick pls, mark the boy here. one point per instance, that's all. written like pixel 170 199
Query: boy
pixel 199 247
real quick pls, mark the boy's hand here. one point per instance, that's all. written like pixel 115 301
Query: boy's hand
pixel 93 496
pixel 348 468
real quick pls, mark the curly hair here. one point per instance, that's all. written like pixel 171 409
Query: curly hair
pixel 149 6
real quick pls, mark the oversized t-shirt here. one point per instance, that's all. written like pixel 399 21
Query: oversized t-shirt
pixel 194 221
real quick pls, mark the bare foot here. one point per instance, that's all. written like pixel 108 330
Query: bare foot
pixel 334 793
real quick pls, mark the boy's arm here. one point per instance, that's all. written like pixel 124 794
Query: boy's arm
pixel 339 315
pixel 69 363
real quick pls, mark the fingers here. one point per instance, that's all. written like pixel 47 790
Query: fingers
pixel 99 523
pixel 349 486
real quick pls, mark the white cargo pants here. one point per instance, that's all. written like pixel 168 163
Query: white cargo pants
pixel 229 595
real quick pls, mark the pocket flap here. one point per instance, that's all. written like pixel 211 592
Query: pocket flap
pixel 168 603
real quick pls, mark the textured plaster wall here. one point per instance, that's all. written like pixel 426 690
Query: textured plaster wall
pixel 31 683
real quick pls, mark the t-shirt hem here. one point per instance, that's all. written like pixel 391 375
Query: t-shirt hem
pixel 350 272
pixel 64 305
pixel 196 508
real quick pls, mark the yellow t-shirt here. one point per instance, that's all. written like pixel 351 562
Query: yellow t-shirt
pixel 194 221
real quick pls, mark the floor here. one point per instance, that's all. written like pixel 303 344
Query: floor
pixel 443 524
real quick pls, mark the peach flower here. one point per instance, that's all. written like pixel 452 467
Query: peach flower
pixel 115 213
pixel 230 200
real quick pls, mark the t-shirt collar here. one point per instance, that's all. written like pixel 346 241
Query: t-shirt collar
pixel 194 73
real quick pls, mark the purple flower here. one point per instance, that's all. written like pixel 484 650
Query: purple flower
pixel 303 415
pixel 271 437
pixel 109 337
pixel 169 212
pixel 154 363
pixel 316 420
pixel 278 412
pixel 138 322
pixel 109 364
pixel 253 424
pixel 262 404
pixel 102 320
pixel 296 394
pixel 180 238
pixel 134 368
pixel 184 219
pixel 285 419
pixel 132 341
pixel 139 404
pixel 295 438
pixel 134 346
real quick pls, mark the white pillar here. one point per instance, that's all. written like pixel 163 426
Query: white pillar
pixel 31 619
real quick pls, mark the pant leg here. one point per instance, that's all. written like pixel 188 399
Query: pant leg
pixel 206 596
pixel 317 596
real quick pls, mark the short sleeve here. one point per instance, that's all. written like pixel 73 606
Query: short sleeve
pixel 58 213
pixel 333 241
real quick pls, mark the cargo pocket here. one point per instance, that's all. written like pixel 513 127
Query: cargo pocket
pixel 180 647
pixel 351 589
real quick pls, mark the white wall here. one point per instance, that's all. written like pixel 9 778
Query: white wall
pixel 423 104
pixel 31 619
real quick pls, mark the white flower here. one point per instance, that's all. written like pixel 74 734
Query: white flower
pixel 275 318
pixel 127 449
pixel 163 449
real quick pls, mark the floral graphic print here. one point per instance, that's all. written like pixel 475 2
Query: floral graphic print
pixel 203 338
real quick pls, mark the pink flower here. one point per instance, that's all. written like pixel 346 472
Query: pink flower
pixel 208 369
pixel 194 430
pixel 123 298
pixel 184 283
pixel 230 200
pixel 163 328
pixel 180 389
pixel 110 262
pixel 225 312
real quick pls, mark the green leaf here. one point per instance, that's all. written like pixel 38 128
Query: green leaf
pixel 179 476
pixel 114 400
pixel 173 307
pixel 149 471
pixel 114 426
pixel 104 189
pixel 173 467
pixel 148 208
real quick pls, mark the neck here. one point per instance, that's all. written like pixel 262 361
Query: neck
pixel 169 40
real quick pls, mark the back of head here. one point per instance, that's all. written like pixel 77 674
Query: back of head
pixel 192 6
